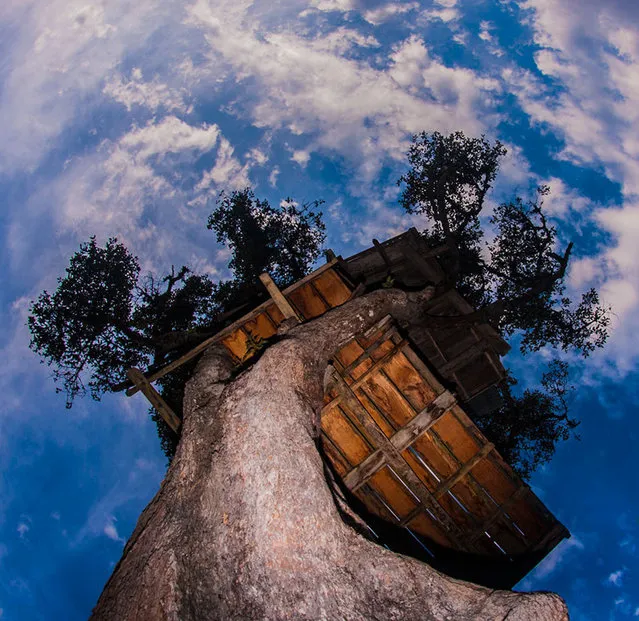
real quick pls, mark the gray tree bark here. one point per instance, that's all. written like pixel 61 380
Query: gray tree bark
pixel 245 526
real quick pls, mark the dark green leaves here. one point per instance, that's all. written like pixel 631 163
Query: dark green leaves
pixel 103 318
pixel 81 324
pixel 527 428
pixel 449 178
pixel 516 281
pixel 284 241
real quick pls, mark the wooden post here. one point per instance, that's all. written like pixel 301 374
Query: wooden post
pixel 169 416
pixel 278 297
pixel 383 254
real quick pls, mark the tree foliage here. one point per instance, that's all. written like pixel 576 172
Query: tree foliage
pixel 515 279
pixel 105 317
pixel 527 427
pixel 87 321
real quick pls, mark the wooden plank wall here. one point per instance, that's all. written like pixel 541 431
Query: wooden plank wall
pixel 461 353
pixel 310 297
pixel 409 452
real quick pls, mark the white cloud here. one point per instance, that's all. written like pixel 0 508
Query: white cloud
pixel 111 531
pixel 334 5
pixel 383 13
pixel 301 157
pixel 61 52
pixel 616 577
pixel 590 53
pixel 111 191
pixel 23 528
pixel 272 178
pixel 170 135
pixel 444 10
pixel 227 171
pixel 153 95
pixel 342 40
pixel 348 106
pixel 484 31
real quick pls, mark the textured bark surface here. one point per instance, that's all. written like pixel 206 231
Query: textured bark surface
pixel 244 525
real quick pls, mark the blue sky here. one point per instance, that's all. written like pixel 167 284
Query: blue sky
pixel 127 118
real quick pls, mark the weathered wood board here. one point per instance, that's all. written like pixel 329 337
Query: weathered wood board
pixel 409 452
pixel 309 298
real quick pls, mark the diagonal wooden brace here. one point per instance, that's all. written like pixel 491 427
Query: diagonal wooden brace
pixel 142 384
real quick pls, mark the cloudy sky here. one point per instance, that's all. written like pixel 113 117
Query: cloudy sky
pixel 128 117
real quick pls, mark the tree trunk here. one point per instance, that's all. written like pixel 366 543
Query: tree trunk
pixel 245 526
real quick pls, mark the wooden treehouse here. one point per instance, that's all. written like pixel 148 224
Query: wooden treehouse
pixel 397 419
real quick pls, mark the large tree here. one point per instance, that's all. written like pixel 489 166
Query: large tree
pixel 509 264
pixel 246 525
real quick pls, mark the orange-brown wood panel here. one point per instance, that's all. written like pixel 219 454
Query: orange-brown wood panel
pixel 534 524
pixel 307 301
pixel 441 463
pixel 376 334
pixel 329 395
pixel 340 464
pixel 349 353
pixel 345 437
pixel 365 494
pixel 474 499
pixel 425 525
pixel 500 486
pixel 389 487
pixel 333 289
pixel 456 508
pixel 409 381
pixel 357 424
pixel 261 326
pixel 374 413
pixel 386 397
pixel 361 368
pixel 455 437
pixel 236 344
pixel 275 314
pixel 381 350
pixel 424 475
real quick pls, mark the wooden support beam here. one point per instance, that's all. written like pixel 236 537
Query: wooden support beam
pixel 169 416
pixel 430 270
pixel 452 480
pixel 198 349
pixel 382 252
pixel 414 428
pixel 280 301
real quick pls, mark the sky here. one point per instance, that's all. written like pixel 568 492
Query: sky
pixel 127 118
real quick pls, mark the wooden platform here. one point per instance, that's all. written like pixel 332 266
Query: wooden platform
pixel 409 452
